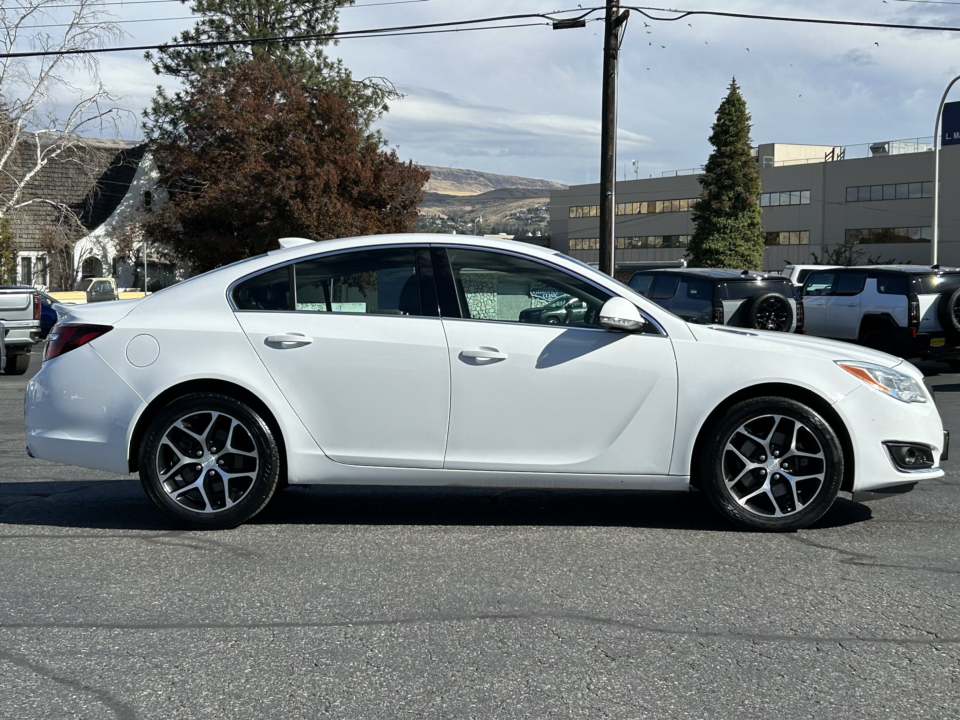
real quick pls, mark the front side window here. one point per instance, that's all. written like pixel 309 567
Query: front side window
pixel 665 286
pixel 506 288
pixel 820 283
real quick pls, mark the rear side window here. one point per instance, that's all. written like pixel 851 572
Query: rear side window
pixel 850 283
pixel 642 283
pixel 892 284
pixel 664 287
pixel 802 275
pixel 267 291
pixel 382 282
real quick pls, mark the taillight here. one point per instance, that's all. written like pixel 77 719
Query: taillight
pixel 37 307
pixel 799 314
pixel 718 314
pixel 64 338
pixel 913 311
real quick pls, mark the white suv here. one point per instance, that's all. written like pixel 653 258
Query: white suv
pixel 905 310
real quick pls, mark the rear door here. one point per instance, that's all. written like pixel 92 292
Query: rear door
pixel 355 343
pixel 842 306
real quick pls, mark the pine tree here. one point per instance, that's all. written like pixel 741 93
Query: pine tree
pixel 232 20
pixel 727 219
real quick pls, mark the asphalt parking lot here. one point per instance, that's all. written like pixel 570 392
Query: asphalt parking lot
pixel 386 603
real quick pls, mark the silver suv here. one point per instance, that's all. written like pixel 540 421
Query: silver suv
pixel 906 310
pixel 724 297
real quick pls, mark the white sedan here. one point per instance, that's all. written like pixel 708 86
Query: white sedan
pixel 403 360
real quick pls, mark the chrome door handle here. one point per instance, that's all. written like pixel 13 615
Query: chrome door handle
pixel 289 339
pixel 484 354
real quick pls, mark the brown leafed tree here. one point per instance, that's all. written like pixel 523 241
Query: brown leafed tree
pixel 264 156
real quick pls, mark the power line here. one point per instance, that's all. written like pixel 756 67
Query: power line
pixel 683 14
pixel 343 34
pixel 113 22
pixel 932 2
pixel 152 2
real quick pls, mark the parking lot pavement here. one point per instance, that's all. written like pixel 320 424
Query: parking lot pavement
pixel 372 603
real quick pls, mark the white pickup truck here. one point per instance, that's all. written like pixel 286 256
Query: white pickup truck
pixel 20 317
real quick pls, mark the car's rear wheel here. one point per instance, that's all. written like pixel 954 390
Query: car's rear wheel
pixel 878 340
pixel 772 464
pixel 209 461
pixel 17 363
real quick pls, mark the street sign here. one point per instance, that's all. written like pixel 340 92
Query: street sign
pixel 950 127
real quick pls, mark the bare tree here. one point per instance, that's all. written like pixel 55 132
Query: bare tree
pixel 51 106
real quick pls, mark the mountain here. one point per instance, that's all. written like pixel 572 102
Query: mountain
pixel 455 181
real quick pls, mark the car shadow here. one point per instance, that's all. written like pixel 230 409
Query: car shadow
pixel 122 505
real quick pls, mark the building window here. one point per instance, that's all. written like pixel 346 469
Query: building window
pixel 791 197
pixel 582 211
pixel 26 271
pixel 880 236
pixel 893 191
pixel 41 274
pixel 147 199
pixel 584 243
pixel 638 208
pixel 652 241
pixel 788 237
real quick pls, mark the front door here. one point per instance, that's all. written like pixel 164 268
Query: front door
pixel 544 398
pixel 353 347
pixel 842 311
pixel 817 288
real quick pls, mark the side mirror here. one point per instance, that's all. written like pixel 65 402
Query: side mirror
pixel 621 314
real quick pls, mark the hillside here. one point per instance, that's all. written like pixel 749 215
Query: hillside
pixel 455 181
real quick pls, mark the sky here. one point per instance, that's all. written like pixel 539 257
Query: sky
pixel 526 101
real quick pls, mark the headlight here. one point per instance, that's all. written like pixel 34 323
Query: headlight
pixel 890 382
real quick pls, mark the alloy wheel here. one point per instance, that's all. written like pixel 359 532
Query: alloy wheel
pixel 773 314
pixel 207 461
pixel 773 466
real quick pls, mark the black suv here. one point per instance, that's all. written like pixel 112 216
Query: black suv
pixel 912 311
pixel 724 297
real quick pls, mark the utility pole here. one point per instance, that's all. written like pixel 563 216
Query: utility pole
pixel 613 20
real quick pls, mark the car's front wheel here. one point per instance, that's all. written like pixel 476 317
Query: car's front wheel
pixel 772 464
pixel 209 461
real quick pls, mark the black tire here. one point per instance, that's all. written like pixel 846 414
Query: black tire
pixel 948 312
pixel 877 339
pixel 248 448
pixel 751 495
pixel 552 320
pixel 769 311
pixel 17 363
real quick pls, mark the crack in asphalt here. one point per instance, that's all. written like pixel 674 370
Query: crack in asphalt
pixel 172 538
pixel 120 709
pixel 861 559
pixel 493 617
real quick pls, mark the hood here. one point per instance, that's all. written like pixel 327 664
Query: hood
pixel 101 313
pixel 792 344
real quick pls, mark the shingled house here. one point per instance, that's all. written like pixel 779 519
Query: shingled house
pixel 80 201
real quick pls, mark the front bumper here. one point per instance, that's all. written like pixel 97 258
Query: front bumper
pixel 872 419
pixel 78 411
